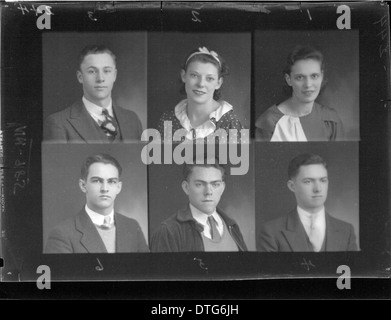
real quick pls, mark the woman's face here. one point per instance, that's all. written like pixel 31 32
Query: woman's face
pixel 201 80
pixel 305 79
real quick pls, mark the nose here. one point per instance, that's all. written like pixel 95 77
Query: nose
pixel 317 187
pixel 208 190
pixel 104 187
pixel 100 76
pixel 201 82
pixel 307 82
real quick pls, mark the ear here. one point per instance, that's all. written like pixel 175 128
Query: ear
pixel 291 185
pixel 183 76
pixel 220 83
pixel 223 187
pixel 119 187
pixel 79 76
pixel 288 79
pixel 82 185
pixel 115 74
pixel 185 187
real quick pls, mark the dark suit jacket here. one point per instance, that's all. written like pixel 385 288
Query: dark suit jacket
pixel 74 124
pixel 79 235
pixel 287 234
pixel 182 233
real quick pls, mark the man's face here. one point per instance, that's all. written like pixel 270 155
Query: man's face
pixel 310 187
pixel 97 74
pixel 101 187
pixel 204 188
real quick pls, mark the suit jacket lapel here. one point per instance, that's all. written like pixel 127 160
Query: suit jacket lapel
pixel 295 233
pixel 122 237
pixel 90 237
pixel 335 239
pixel 121 116
pixel 83 123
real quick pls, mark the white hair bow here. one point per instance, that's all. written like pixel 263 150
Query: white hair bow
pixel 204 50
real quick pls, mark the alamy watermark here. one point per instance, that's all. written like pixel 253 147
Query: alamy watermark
pixel 229 146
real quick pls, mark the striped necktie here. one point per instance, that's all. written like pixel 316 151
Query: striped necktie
pixel 108 125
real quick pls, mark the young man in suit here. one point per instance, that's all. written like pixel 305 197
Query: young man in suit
pixel 308 227
pixel 200 226
pixel 95 117
pixel 97 228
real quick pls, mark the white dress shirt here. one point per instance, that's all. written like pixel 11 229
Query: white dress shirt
pixel 97 218
pixel 312 221
pixel 202 218
pixel 95 111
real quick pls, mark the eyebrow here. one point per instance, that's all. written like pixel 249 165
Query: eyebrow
pixel 324 177
pixel 203 181
pixel 93 67
pixel 209 74
pixel 100 178
pixel 302 74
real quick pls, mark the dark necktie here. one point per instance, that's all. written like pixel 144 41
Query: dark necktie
pixel 108 125
pixel 214 233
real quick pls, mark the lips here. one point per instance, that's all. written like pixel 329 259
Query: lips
pixel 105 197
pixel 199 93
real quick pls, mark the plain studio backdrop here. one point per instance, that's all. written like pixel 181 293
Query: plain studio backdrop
pixel 341 56
pixel 166 55
pixel 274 199
pixel 60 62
pixel 61 194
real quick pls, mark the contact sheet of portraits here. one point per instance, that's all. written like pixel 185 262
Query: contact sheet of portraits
pixel 187 141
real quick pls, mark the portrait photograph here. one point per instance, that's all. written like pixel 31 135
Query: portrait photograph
pixel 84 72
pixel 66 192
pixel 172 191
pixel 306 85
pixel 311 176
pixel 170 53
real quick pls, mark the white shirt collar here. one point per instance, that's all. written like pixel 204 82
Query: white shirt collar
pixel 205 129
pixel 202 218
pixel 96 111
pixel 307 218
pixel 98 218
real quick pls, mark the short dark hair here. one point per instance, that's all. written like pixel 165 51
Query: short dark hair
pixel 95 49
pixel 188 168
pixel 222 67
pixel 304 159
pixel 99 158
pixel 303 53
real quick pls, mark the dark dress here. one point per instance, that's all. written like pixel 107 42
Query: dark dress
pixel 322 124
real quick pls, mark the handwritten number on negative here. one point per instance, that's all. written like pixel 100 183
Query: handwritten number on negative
pixel 195 16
